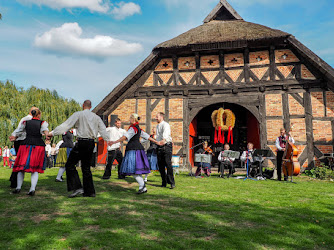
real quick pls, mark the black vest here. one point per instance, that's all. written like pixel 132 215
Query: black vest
pixel 68 141
pixel 134 143
pixel 34 136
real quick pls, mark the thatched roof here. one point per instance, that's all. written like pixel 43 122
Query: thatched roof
pixel 222 31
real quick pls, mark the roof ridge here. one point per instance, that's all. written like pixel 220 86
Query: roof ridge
pixel 223 12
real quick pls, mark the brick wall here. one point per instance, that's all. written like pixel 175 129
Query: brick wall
pixel 291 57
pixel 274 105
pixel 183 61
pixel 322 131
pixel 306 74
pixel 125 109
pixel 253 58
pixel 159 108
pixel 230 62
pixel 318 108
pixel 295 108
pixel 330 103
pixel 176 109
pixel 234 74
pixel 149 81
pixel 273 129
pixel 165 64
pixel 142 110
pixel 211 61
pixel 210 75
pixel 177 131
pixel 298 129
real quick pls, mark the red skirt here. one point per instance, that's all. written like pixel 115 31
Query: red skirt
pixel 30 159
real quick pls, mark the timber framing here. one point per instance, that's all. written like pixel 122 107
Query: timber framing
pixel 247 83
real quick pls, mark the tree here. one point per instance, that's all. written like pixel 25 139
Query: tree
pixel 15 103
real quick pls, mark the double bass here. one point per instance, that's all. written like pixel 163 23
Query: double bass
pixel 290 163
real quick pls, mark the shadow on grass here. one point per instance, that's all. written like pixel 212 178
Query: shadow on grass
pixel 161 219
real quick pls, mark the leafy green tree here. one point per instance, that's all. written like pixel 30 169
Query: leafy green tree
pixel 15 103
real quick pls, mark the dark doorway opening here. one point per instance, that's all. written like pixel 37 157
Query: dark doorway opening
pixel 246 129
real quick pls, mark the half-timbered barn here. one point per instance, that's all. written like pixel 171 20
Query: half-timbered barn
pixel 265 76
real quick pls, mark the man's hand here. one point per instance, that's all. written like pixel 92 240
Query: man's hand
pixel 160 143
pixel 110 143
pixel 12 138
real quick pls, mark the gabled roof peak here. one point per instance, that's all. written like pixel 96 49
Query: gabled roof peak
pixel 223 12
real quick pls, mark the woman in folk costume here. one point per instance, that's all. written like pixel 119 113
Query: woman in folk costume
pixel 64 148
pixel 135 161
pixel 152 154
pixel 31 155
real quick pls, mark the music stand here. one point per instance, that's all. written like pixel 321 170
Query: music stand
pixel 230 154
pixel 260 154
pixel 202 158
pixel 191 168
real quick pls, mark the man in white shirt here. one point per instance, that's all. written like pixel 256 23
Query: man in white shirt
pixel 165 151
pixel 114 151
pixel 225 162
pixel 280 145
pixel 17 142
pixel 88 126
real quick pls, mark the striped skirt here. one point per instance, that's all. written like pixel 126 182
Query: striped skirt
pixel 62 157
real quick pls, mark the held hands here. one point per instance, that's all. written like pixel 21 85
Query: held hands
pixel 160 143
pixel 110 143
pixel 12 138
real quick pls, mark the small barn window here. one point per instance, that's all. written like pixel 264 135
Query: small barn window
pixel 187 64
pixel 165 64
pixel 234 60
pixel 259 58
pixel 210 62
pixel 285 56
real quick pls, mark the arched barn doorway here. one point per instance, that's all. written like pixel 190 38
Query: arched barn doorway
pixel 201 129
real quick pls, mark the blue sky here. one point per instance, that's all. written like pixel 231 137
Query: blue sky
pixel 84 48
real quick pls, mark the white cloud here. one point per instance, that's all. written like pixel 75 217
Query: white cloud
pixel 125 9
pixel 67 40
pixel 92 5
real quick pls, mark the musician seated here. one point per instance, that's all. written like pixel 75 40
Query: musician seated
pixel 205 167
pixel 247 157
pixel 225 162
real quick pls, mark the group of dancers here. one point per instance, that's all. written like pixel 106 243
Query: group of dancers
pixel 31 157
pixel 247 157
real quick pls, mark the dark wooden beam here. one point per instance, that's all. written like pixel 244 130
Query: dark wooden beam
pixel 148 115
pixel 198 69
pixel 186 123
pixel 303 157
pixel 272 67
pixel 263 122
pixel 298 98
pixel 309 129
pixel 167 109
pixel 246 63
pixel 286 112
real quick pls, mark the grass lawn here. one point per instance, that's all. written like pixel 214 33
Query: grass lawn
pixel 201 213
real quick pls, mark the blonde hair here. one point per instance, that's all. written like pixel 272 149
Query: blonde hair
pixel 135 116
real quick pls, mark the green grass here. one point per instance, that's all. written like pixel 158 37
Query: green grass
pixel 207 213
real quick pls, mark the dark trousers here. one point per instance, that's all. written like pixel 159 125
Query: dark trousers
pixel 279 164
pixel 112 155
pixel 82 151
pixel 164 154
pixel 226 164
pixel 13 177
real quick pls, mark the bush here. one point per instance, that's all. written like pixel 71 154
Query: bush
pixel 321 172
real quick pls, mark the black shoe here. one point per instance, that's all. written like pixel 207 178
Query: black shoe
pixel 172 186
pixel 89 195
pixel 76 193
pixel 16 191
pixel 106 177
pixel 163 186
pixel 58 180
pixel 31 193
pixel 142 191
